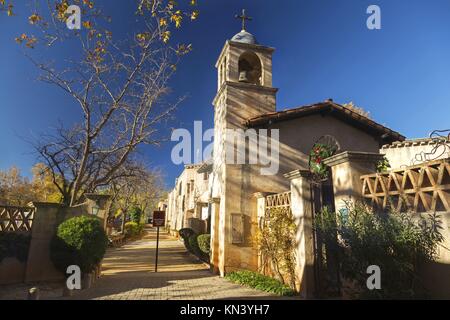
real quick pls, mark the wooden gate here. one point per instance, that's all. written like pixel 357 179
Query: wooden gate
pixel 326 264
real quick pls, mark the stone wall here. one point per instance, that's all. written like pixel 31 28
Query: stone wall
pixel 12 271
pixel 355 179
pixel 47 216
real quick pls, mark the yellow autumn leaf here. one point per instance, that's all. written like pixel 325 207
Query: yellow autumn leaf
pixel 87 24
pixel 10 10
pixel 165 36
pixel 176 18
pixel 34 18
pixel 194 14
pixel 162 22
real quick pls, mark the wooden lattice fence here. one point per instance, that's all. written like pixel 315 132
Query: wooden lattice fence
pixel 420 188
pixel 16 218
pixel 280 200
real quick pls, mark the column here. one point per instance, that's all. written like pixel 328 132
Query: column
pixel 347 168
pixel 214 257
pixel 301 207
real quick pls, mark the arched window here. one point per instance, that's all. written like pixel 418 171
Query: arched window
pixel 250 69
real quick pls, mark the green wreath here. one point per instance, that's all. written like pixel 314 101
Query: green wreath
pixel 319 153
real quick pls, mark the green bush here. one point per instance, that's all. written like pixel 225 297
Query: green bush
pixel 133 229
pixel 78 241
pixel 135 214
pixel 260 282
pixel 193 244
pixel 396 242
pixel 185 233
pixel 14 244
pixel 204 241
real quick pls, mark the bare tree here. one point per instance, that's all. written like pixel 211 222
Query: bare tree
pixel 140 190
pixel 121 90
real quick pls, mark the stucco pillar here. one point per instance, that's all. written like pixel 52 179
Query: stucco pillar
pixel 45 221
pixel 302 211
pixel 347 168
pixel 214 245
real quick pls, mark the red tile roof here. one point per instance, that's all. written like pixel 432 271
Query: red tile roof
pixel 331 108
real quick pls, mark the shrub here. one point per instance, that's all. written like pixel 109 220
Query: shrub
pixel 193 245
pixel 185 234
pixel 78 241
pixel 395 242
pixel 277 244
pixel 260 282
pixel 135 214
pixel 14 245
pixel 133 229
pixel 204 241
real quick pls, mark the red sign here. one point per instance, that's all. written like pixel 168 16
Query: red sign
pixel 159 218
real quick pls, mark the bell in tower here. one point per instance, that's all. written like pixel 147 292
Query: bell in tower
pixel 250 68
pixel 244 69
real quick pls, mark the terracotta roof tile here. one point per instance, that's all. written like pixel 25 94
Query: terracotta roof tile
pixel 329 107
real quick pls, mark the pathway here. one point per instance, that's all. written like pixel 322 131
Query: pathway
pixel 128 274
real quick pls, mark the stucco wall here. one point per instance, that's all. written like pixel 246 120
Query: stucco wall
pixel 437 274
pixel 414 152
pixel 182 202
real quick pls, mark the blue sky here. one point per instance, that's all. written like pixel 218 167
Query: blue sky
pixel 401 73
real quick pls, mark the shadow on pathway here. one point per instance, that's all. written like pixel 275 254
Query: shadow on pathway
pixel 128 274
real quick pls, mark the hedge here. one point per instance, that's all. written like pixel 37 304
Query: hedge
pixel 78 241
pixel 196 244
pixel 185 234
pixel 204 241
pixel 135 214
pixel 133 229
pixel 14 245
pixel 193 244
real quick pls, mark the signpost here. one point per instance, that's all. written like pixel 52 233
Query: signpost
pixel 159 220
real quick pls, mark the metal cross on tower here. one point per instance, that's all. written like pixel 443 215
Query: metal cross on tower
pixel 244 18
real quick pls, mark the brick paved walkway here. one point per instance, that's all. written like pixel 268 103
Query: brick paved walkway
pixel 128 274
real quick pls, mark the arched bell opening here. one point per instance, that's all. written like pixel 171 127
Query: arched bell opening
pixel 250 68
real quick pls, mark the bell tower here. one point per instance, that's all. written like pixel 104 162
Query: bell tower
pixel 244 76
pixel 244 91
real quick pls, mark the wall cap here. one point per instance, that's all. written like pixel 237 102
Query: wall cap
pixel 259 195
pixel 353 156
pixel 298 174
pixel 213 200
pixel 36 204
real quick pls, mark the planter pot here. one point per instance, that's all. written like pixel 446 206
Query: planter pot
pixel 99 270
pixel 67 292
pixel 86 281
pixel 33 294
